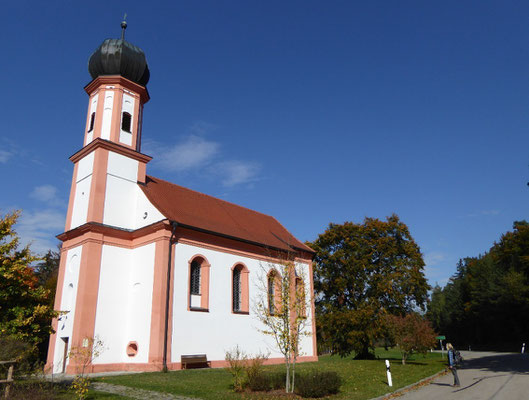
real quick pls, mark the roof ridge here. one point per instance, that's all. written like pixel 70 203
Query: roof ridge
pixel 213 197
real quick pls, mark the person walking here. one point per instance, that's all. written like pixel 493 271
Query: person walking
pixel 452 363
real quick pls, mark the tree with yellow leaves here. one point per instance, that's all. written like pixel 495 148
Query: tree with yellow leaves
pixel 25 312
pixel 282 304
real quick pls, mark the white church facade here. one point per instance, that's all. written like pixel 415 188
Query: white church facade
pixel 152 269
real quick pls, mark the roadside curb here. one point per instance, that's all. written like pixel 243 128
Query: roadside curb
pixel 416 385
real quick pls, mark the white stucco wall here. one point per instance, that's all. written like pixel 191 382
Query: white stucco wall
pixel 219 330
pixel 83 182
pixel 127 106
pixel 81 199
pixel 68 299
pixel 107 114
pixel 92 109
pixel 124 302
pixel 145 213
pixel 125 203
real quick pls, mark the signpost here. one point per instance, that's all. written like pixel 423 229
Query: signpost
pixel 441 338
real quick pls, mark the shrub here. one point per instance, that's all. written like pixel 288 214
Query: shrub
pixel 265 381
pixel 237 360
pixel 317 384
pixel 22 352
pixel 277 380
pixel 254 369
pixel 260 383
pixel 35 389
pixel 80 386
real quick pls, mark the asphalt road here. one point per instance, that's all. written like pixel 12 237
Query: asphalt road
pixel 484 376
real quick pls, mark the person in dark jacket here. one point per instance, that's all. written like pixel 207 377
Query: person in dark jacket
pixel 452 363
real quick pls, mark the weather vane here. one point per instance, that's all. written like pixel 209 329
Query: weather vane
pixel 123 26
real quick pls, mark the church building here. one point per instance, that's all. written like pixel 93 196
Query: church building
pixel 155 271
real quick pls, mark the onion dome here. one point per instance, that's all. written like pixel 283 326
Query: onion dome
pixel 119 57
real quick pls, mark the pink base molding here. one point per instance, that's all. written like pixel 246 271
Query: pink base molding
pixel 153 367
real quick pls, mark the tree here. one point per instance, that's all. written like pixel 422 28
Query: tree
pixel 47 273
pixel 412 333
pixel 281 307
pixel 25 311
pixel 484 300
pixel 364 272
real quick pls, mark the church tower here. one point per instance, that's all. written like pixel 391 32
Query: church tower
pixel 112 139
pixel 105 197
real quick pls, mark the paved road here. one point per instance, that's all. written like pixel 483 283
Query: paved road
pixel 484 376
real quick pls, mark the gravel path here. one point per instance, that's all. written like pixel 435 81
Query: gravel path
pixel 134 393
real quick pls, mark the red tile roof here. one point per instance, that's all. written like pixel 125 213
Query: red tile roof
pixel 198 210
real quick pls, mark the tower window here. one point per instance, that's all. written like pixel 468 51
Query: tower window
pixel 92 119
pixel 126 122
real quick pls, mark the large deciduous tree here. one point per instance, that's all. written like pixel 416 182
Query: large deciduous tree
pixel 25 311
pixel 364 272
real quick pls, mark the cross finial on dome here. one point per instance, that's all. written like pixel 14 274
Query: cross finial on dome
pixel 123 26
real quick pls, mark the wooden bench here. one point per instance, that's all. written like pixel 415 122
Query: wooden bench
pixel 9 379
pixel 195 360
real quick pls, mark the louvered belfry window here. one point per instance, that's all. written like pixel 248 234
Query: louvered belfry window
pixel 237 289
pixel 195 278
pixel 92 120
pixel 126 122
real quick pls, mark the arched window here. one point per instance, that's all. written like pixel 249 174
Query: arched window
pixel 126 120
pixel 92 120
pixel 274 292
pixel 237 289
pixel 300 298
pixel 240 295
pixel 198 284
pixel 195 278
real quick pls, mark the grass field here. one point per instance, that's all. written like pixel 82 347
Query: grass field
pixel 362 379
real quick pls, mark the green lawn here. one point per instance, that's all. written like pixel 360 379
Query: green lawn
pixel 363 379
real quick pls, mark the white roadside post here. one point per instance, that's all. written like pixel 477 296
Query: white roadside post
pixel 523 348
pixel 388 373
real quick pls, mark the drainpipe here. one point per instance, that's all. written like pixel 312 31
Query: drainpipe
pixel 168 295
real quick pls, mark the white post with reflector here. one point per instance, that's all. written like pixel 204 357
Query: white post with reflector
pixel 388 373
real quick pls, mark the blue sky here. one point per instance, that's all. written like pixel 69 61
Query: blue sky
pixel 310 111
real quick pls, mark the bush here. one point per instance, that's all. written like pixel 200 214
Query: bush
pixel 23 353
pixel 254 370
pixel 37 390
pixel 277 380
pixel 237 360
pixel 317 384
pixel 260 383
pixel 265 381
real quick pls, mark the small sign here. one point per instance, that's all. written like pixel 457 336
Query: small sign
pixel 441 337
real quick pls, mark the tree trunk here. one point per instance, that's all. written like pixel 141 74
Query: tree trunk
pixel 292 381
pixel 287 378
